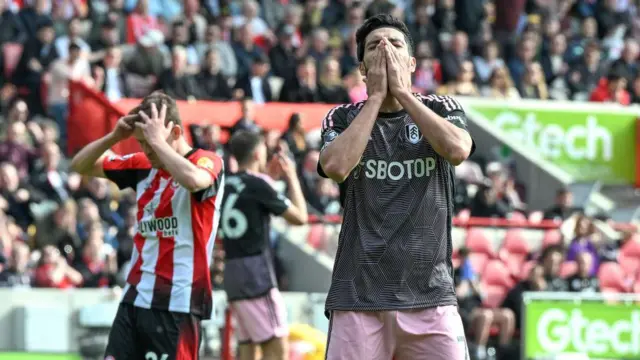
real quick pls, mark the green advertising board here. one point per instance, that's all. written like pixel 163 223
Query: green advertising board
pixel 589 142
pixel 593 328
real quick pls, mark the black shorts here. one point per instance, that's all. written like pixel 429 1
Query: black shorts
pixel 149 334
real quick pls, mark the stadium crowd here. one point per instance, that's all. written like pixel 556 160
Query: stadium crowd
pixel 60 230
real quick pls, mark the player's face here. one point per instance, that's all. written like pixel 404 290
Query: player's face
pixel 395 37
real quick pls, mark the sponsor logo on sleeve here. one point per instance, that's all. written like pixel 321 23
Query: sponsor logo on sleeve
pixel 205 162
pixel 456 119
pixel 120 158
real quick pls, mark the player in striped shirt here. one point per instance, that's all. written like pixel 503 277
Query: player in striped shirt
pixel 179 190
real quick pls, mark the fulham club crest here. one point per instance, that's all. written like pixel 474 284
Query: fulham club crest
pixel 413 133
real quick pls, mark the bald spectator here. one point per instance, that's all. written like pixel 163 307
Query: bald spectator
pixel 250 16
pixel 246 50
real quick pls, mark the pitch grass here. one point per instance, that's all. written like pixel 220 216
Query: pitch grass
pixel 35 356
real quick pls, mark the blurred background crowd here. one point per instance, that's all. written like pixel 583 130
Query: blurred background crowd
pixel 60 230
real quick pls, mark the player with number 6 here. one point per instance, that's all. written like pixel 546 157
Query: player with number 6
pixel 249 275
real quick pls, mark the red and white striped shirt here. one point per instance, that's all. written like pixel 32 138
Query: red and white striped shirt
pixel 175 233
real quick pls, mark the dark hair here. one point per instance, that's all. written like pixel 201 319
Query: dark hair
pixel 550 250
pixel 159 98
pixel 294 120
pixel 377 22
pixel 563 191
pixel 243 144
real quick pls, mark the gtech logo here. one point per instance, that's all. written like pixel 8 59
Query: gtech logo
pixel 396 170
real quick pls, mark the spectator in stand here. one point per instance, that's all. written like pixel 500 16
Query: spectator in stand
pixel 37 55
pixel 17 273
pixel 304 88
pixel 423 29
pixel 176 81
pixel 477 320
pixel 612 89
pixel 486 203
pixel 551 259
pixel 563 207
pixel 111 77
pixel 140 21
pixel 535 282
pixel 488 63
pixel 107 38
pixel 18 194
pixel 319 45
pixel 195 22
pixel 609 18
pixel 463 84
pixel 555 67
pixel 60 230
pixel 331 88
pixel 180 37
pixel 585 73
pixel 250 10
pixel 245 49
pixel 16 150
pixel 584 241
pixel 256 84
pixel 214 85
pixel 246 121
pixel 75 67
pixel 146 64
pixel 584 280
pixel 98 263
pixel 519 65
pixel 295 137
pixel 33 14
pixel 635 90
pixel 283 56
pixel 349 59
pixel 627 64
pixel 11 27
pixel 50 178
pixel 73 36
pixel 501 86
pixel 214 41
pixel 579 44
pixel 533 85
pixel 55 272
pixel 454 59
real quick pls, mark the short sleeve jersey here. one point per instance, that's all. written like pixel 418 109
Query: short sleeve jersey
pixel 395 246
pixel 175 233
pixel 248 204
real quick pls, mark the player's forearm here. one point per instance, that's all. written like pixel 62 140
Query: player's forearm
pixel 85 159
pixel 297 198
pixel 344 153
pixel 187 174
pixel 448 140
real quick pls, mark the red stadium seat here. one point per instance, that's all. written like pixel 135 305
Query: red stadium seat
pixel 464 214
pixel 551 237
pixel 631 248
pixel 478 261
pixel 494 295
pixel 477 242
pixel 568 268
pixel 514 262
pixel 611 276
pixel 315 238
pixel 629 264
pixel 496 273
pixel 518 216
pixel 515 243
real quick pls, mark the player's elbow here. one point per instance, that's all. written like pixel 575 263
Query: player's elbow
pixel 457 157
pixel 335 170
pixel 459 152
pixel 296 216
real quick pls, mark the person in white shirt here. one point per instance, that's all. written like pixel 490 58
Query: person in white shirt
pixel 75 67
pixel 74 30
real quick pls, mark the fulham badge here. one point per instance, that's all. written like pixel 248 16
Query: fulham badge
pixel 413 133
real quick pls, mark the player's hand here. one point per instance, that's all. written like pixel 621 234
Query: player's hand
pixel 153 126
pixel 287 165
pixel 376 77
pixel 124 127
pixel 398 72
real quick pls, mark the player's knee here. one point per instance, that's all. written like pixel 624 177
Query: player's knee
pixel 275 349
